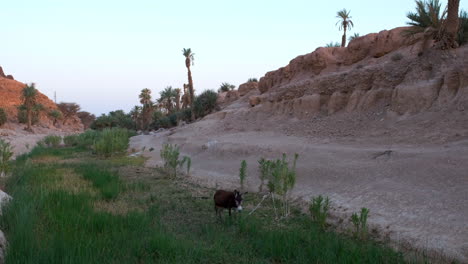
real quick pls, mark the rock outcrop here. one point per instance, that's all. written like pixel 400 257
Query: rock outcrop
pixel 374 70
pixel 247 87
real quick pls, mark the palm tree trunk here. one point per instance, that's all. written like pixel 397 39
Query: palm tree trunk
pixel 343 39
pixel 452 23
pixel 28 113
pixel 191 91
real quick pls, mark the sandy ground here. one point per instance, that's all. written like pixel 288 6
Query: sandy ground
pixel 417 193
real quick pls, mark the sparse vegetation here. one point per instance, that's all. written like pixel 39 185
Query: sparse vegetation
pixel 6 153
pixel 3 117
pixel 397 57
pixel 243 173
pixel 170 155
pixel 281 179
pixel 333 45
pixel 353 37
pixel 319 210
pixel 252 80
pixel 94 211
pixel 360 223
pixel 225 87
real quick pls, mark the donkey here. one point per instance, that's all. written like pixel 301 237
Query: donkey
pixel 225 199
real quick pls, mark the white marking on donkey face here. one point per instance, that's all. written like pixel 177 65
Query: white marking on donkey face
pixel 239 208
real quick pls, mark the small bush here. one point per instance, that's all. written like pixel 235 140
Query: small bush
pixel 71 140
pixel 281 178
pixel 170 155
pixel 360 223
pixel 3 117
pixel 205 103
pixel 252 80
pixel 6 153
pixel 51 141
pixel 319 210
pixel 243 173
pixel 397 57
pixel 265 170
pixel 112 141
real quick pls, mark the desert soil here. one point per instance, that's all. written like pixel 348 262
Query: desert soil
pixel 414 179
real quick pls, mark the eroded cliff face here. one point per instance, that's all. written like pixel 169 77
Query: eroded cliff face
pixel 384 69
pixel 10 100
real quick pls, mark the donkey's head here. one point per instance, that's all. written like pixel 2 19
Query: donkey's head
pixel 238 199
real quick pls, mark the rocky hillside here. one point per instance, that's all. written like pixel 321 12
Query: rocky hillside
pixel 384 69
pixel 10 99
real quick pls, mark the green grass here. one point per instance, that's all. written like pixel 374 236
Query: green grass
pixel 164 221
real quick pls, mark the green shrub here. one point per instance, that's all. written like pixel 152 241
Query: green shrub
pixel 397 57
pixel 243 173
pixel 319 210
pixel 6 153
pixel 88 138
pixel 71 140
pixel 252 80
pixel 51 141
pixel 265 170
pixel 112 141
pixel 281 179
pixel 360 223
pixel 170 155
pixel 3 117
pixel 205 103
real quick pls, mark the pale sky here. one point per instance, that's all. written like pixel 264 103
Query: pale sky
pixel 101 53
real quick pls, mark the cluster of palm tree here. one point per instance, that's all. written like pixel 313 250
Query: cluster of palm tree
pixel 446 27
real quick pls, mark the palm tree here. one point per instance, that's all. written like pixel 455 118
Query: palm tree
pixel 145 100
pixel 353 37
pixel 29 97
pixel 451 25
pixel 428 18
pixel 167 98
pixel 225 87
pixel 135 114
pixel 345 22
pixel 189 58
